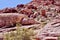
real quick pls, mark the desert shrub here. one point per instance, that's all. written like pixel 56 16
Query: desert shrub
pixel 19 34
pixel 58 38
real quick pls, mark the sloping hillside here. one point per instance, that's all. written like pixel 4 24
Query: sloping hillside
pixel 40 15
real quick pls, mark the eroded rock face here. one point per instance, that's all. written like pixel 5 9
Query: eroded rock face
pixel 28 21
pixel 48 9
pixel 52 29
pixel 28 13
pixel 35 5
pixel 10 20
pixel 20 5
pixel 9 10
pixel 32 7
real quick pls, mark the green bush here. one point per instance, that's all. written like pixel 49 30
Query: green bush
pixel 58 38
pixel 19 34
